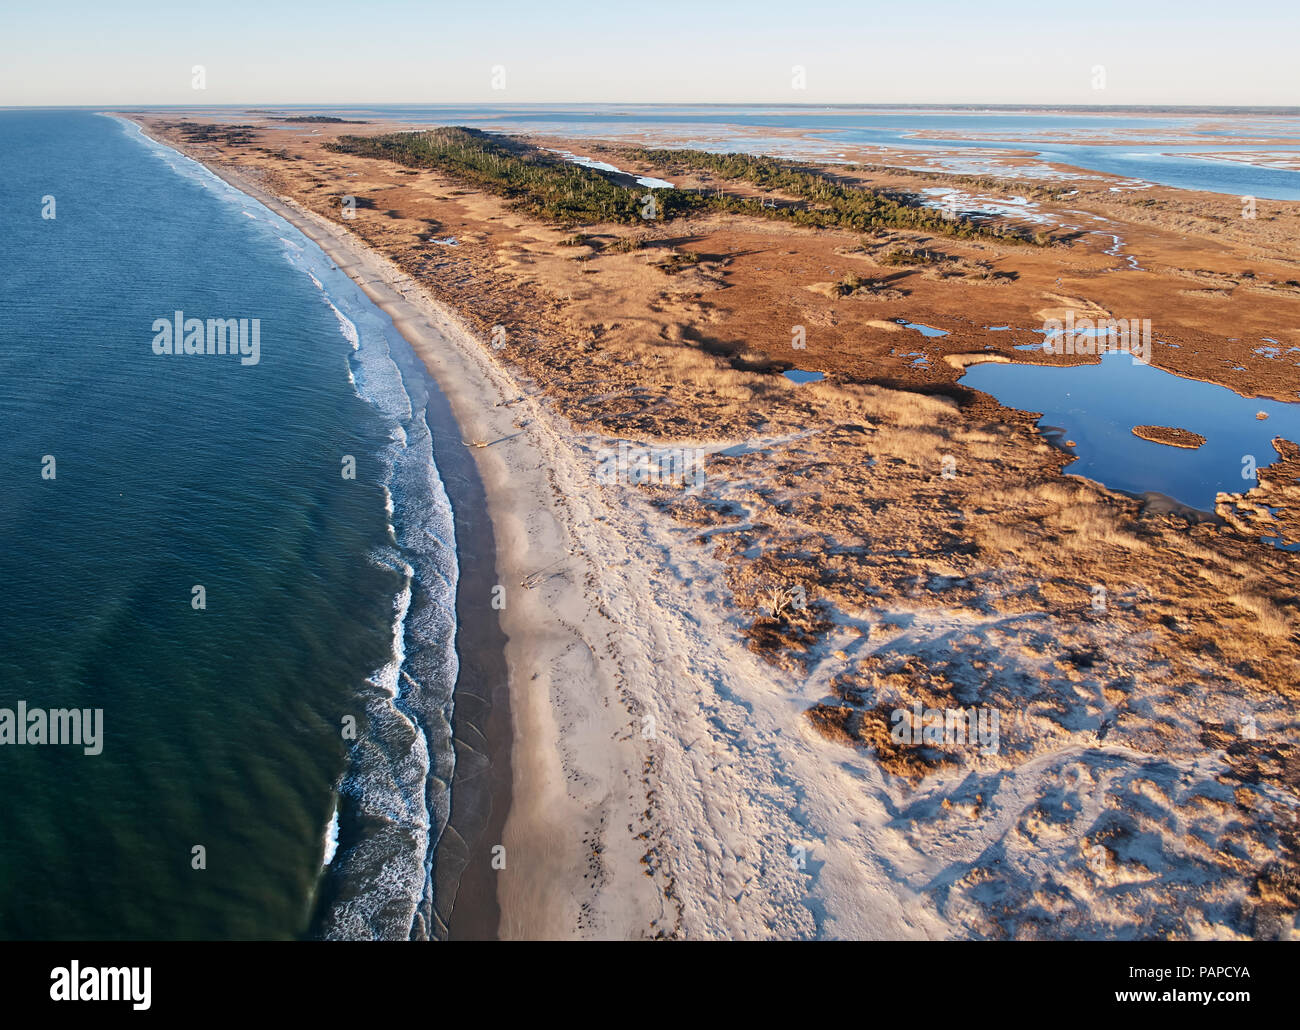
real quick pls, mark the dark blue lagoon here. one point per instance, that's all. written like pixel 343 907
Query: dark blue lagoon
pixel 1096 406
pixel 188 551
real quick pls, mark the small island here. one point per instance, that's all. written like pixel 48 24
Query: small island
pixel 1169 436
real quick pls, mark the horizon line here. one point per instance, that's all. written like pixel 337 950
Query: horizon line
pixel 928 105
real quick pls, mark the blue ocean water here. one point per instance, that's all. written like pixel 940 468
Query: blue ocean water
pixel 328 601
pixel 820 132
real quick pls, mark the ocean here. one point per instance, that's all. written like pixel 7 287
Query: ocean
pixel 245 560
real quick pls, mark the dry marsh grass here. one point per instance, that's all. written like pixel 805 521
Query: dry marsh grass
pixel 997 564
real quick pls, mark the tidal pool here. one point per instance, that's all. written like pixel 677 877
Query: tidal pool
pixel 928 331
pixel 1097 406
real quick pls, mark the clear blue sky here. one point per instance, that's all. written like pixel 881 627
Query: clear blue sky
pixel 108 53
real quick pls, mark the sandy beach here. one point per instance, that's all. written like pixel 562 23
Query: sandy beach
pixel 690 759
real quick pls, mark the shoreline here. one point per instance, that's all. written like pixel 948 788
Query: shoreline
pixel 536 892
pixel 465 901
pixel 475 913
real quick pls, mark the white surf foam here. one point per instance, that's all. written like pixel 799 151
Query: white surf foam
pixel 331 837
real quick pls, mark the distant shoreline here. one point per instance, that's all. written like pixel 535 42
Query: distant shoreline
pixel 1128 109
